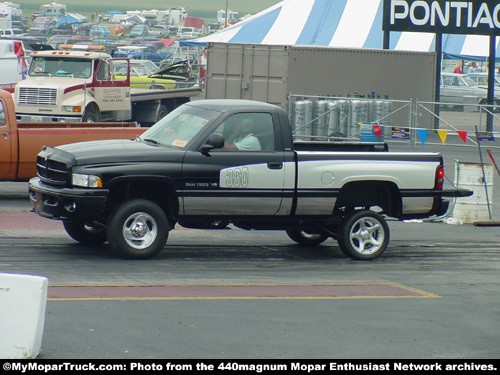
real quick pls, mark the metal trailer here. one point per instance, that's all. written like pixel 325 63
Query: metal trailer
pixel 270 73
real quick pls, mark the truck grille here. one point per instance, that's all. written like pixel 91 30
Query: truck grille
pixel 37 96
pixel 51 171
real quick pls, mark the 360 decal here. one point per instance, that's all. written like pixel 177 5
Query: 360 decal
pixel 237 177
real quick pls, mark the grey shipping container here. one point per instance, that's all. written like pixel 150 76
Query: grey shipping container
pixel 270 72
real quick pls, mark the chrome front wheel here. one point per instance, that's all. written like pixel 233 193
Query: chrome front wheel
pixel 140 230
pixel 137 229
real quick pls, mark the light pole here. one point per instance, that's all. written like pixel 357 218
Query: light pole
pixel 225 16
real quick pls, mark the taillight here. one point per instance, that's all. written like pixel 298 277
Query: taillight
pixel 439 177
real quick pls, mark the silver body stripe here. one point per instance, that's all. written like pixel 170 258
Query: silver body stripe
pixel 268 186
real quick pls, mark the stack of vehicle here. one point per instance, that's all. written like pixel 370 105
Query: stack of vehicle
pixel 147 35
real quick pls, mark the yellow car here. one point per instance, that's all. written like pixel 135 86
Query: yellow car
pixel 141 75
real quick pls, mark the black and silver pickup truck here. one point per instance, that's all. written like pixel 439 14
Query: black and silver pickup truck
pixel 209 163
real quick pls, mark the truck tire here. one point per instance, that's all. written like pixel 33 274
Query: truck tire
pixel 162 112
pixel 86 233
pixel 496 105
pixel 157 87
pixel 137 229
pixel 306 239
pixel 363 235
pixel 91 114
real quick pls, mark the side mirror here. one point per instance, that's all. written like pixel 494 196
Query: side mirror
pixel 215 140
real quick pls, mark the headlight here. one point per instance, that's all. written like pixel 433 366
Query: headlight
pixel 69 108
pixel 86 180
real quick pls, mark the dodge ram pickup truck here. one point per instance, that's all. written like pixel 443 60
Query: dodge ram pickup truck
pixel 213 162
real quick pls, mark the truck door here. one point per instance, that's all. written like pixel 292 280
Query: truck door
pixel 112 92
pixel 245 179
pixel 8 147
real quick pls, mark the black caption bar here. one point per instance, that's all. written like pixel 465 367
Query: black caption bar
pixel 248 366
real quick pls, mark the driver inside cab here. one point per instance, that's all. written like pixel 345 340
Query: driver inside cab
pixel 242 138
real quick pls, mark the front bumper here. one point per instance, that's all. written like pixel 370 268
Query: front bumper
pixel 69 204
pixel 47 118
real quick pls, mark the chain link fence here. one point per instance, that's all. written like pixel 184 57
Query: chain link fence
pixel 393 121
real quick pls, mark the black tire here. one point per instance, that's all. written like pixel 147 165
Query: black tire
pixel 157 87
pixel 91 114
pixel 162 112
pixel 86 233
pixel 495 108
pixel 363 235
pixel 137 229
pixel 306 239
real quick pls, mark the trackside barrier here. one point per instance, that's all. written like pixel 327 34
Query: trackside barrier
pixel 470 176
pixel 22 315
pixel 417 124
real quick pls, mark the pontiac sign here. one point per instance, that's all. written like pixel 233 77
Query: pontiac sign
pixel 446 17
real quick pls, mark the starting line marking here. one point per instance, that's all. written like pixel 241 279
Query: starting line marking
pixel 373 290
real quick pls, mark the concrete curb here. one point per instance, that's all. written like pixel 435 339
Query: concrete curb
pixel 23 299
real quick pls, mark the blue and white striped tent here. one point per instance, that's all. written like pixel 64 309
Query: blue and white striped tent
pixel 341 24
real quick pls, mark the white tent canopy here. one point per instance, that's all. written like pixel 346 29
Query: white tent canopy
pixel 342 24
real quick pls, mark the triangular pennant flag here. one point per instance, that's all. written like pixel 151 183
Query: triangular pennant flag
pixel 463 135
pixel 443 134
pixel 422 134
pixel 377 129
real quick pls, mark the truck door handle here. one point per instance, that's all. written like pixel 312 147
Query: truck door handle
pixel 275 165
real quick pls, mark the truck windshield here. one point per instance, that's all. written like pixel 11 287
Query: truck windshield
pixel 60 67
pixel 180 126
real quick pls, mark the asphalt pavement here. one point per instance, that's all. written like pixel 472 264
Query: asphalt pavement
pixel 435 294
pixel 13 190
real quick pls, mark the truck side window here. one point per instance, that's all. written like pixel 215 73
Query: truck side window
pixel 102 74
pixel 258 127
pixel 118 70
pixel 2 115
pixel 264 130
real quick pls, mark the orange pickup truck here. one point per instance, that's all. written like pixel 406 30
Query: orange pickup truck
pixel 21 142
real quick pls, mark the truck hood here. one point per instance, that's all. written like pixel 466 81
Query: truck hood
pixel 120 151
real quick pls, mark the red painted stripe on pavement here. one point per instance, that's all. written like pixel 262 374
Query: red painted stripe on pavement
pixel 375 290
pixel 26 220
